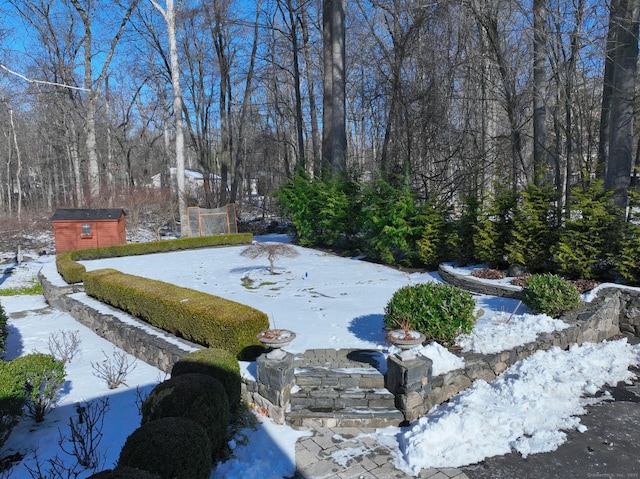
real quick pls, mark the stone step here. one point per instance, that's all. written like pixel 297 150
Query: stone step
pixel 322 377
pixel 334 399
pixel 341 397
pixel 372 418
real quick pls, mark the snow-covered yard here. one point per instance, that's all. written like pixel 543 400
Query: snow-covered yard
pixel 330 302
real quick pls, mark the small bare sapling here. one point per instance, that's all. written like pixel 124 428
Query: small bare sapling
pixel 81 445
pixel 272 251
pixel 114 370
pixel 86 433
pixel 64 345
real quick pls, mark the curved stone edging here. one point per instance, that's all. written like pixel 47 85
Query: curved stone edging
pixel 476 285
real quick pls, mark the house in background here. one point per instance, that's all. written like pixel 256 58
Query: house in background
pixel 88 228
pixel 193 182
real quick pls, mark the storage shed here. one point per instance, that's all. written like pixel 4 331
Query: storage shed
pixel 88 228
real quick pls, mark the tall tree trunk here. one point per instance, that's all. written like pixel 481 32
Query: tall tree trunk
pixel 624 19
pixel 93 174
pixel 334 132
pixel 292 21
pixel 220 43
pixel 605 111
pixel 574 48
pixel 76 173
pixel 313 113
pixel 9 182
pixel 539 90
pixel 169 14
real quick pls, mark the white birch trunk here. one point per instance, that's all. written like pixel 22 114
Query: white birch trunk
pixel 169 15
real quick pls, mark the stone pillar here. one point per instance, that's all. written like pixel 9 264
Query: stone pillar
pixel 409 379
pixel 275 379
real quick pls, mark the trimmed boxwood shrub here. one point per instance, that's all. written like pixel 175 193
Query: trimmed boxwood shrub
pixel 163 246
pixel 124 473
pixel 171 447
pixel 196 316
pixel 70 271
pixel 215 362
pixel 440 311
pixel 549 294
pixel 42 377
pixel 194 396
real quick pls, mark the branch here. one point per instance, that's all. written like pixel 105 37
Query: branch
pixel 43 82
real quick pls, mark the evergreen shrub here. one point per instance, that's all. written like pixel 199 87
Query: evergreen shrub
pixel 205 319
pixel 432 247
pixel 12 399
pixel 494 228
pixel 549 294
pixel 391 224
pixel 628 262
pixel 440 311
pixel 42 377
pixel 198 397
pixel 535 230
pixel 464 230
pixel 217 363
pixel 171 447
pixel 320 210
pixel 590 237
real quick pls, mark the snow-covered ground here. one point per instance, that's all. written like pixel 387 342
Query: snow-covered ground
pixel 330 302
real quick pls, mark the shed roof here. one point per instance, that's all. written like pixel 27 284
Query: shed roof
pixel 79 214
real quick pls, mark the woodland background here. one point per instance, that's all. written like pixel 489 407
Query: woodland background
pixel 456 103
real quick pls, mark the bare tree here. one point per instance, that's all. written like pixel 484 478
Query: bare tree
pixel 291 18
pixel 114 370
pixel 169 15
pixel 272 251
pixel 93 87
pixel 221 43
pixel 240 154
pixel 18 163
pixel 63 345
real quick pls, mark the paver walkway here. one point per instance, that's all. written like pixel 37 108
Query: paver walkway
pixel 350 452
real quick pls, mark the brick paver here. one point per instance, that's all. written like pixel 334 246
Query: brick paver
pixel 348 452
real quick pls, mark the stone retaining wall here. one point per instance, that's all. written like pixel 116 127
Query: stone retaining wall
pixel 629 316
pixel 145 342
pixel 615 312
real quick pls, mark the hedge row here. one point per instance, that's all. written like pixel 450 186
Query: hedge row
pixel 72 272
pixel 196 316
